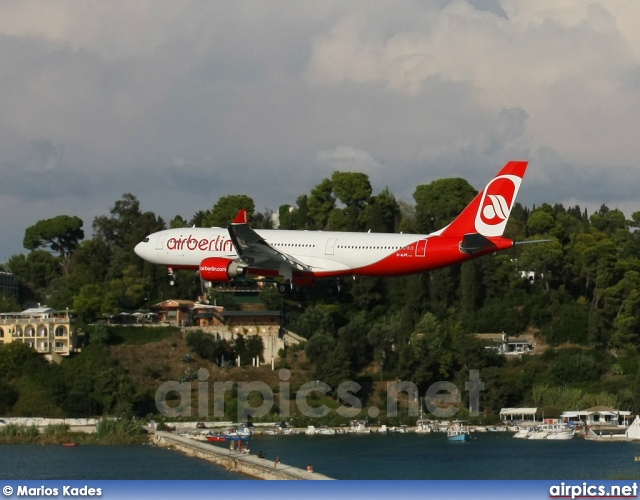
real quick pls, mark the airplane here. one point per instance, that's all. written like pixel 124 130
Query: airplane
pixel 302 257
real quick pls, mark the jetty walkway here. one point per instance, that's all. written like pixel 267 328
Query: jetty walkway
pixel 234 461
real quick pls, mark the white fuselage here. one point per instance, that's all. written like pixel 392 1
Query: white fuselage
pixel 320 250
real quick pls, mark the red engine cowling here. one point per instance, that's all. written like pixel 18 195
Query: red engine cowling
pixel 219 269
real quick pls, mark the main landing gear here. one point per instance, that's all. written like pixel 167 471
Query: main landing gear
pixel 286 287
pixel 173 277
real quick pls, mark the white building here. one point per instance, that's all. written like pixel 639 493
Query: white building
pixel 518 414
pixel 598 415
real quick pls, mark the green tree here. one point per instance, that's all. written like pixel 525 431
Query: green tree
pixel 545 260
pixel 319 348
pixel 300 217
pixel 226 209
pixel 441 201
pixel 62 235
pixel 608 221
pixel 354 190
pixel 8 397
pixel 383 214
pixel 35 270
pixel 177 222
pixel 88 303
pixel 320 204
pixel 98 385
pixel 286 218
pixel 335 368
pixel 541 221
pixel 255 347
pixel 312 321
pixel 352 338
pixel 622 303
pixel 428 356
pixel 38 384
pixel 121 232
pixel 8 303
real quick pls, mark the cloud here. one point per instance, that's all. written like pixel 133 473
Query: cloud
pixel 347 159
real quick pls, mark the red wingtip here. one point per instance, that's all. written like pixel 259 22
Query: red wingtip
pixel 241 218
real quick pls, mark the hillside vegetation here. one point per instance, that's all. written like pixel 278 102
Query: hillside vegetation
pixel 579 294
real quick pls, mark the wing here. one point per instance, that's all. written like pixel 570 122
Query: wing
pixel 256 252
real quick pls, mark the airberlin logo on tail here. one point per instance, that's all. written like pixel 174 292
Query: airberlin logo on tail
pixel 495 205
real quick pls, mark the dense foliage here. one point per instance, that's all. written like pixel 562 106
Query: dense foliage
pixel 86 385
pixel 580 291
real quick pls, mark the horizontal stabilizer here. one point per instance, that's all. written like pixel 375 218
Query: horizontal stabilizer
pixel 474 243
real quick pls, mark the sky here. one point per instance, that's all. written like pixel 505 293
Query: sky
pixel 182 102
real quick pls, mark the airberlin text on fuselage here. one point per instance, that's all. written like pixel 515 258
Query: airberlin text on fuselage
pixel 218 244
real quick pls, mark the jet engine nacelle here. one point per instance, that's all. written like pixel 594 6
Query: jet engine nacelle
pixel 219 269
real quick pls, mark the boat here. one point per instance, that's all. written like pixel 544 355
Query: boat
pixel 559 431
pixel 554 431
pixel 399 430
pixel 240 432
pixel 538 433
pixel 358 427
pixel 458 432
pixel 223 438
pixel 233 434
pixel 422 425
pixel 216 438
pixel 325 431
pixel 562 434
pixel 423 428
pixel 523 433
pixel 69 445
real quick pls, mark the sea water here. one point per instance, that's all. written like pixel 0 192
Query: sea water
pixel 28 461
pixel 343 456
pixel 431 456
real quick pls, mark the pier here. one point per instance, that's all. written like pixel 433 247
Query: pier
pixel 243 463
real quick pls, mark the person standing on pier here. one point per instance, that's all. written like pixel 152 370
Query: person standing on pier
pixel 276 462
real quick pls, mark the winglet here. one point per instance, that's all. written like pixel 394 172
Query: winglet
pixel 241 218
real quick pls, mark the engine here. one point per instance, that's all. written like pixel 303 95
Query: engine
pixel 219 269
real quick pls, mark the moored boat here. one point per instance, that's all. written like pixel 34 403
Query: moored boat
pixel 458 432
pixel 563 434
pixel 522 434
pixel 232 434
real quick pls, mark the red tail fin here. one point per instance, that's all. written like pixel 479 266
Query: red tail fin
pixel 487 214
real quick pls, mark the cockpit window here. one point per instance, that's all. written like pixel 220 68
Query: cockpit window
pixel 146 240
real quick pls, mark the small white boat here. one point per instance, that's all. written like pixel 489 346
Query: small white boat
pixel 238 432
pixel 325 431
pixel 423 428
pixel 549 431
pixel 561 432
pixel 538 434
pixel 522 434
pixel 422 425
pixel 360 428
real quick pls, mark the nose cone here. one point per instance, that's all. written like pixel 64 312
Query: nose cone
pixel 138 249
pixel 142 248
